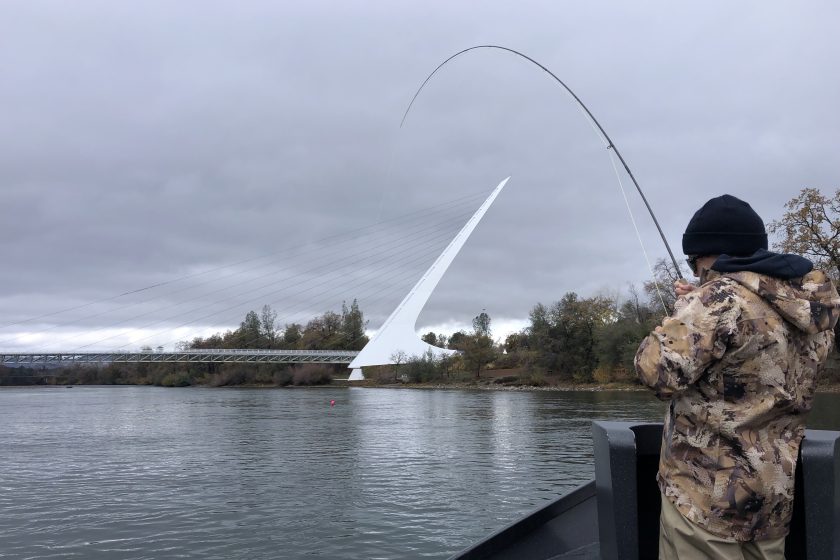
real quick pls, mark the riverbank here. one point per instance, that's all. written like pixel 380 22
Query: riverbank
pixel 490 384
pixel 487 385
pixel 490 380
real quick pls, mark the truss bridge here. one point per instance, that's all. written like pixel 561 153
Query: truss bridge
pixel 196 356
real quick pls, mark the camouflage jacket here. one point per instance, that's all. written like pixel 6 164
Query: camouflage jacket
pixel 738 361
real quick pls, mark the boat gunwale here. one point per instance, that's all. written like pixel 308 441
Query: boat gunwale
pixel 524 526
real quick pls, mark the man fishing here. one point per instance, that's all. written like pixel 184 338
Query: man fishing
pixel 738 361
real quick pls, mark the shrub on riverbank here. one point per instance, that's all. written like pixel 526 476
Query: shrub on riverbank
pixel 173 375
pixel 179 379
pixel 312 374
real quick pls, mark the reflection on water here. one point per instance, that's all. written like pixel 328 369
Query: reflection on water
pixel 142 472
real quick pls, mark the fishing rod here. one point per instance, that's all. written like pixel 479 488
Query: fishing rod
pixel 609 142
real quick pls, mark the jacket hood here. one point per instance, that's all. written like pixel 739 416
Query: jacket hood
pixel 810 303
pixel 777 265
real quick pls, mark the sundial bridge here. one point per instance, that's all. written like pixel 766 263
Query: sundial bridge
pixel 397 334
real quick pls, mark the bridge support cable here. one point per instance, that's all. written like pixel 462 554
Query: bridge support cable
pixel 329 271
pixel 325 260
pixel 374 268
pixel 345 271
pixel 332 239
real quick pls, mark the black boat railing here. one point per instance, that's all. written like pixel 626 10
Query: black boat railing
pixel 626 461
pixel 616 517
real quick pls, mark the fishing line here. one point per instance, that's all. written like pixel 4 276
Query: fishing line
pixel 638 235
pixel 603 133
pixel 629 210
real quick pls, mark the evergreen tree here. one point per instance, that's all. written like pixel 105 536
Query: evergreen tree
pixel 353 327
pixel 481 324
pixel 292 334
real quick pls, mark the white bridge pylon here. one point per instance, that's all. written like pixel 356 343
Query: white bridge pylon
pixel 397 333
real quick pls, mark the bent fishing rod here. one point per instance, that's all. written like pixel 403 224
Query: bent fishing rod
pixel 609 143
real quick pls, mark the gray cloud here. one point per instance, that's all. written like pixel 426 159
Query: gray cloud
pixel 144 143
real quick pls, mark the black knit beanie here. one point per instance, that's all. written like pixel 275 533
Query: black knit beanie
pixel 724 225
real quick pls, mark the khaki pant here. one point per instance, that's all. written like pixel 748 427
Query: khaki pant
pixel 680 539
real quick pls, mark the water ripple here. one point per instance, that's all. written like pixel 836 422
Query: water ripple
pixel 131 473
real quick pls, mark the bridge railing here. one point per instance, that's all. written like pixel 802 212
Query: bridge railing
pixel 232 355
pixel 266 352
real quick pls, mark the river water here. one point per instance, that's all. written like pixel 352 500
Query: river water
pixel 152 473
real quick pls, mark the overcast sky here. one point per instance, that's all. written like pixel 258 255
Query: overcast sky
pixel 197 143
